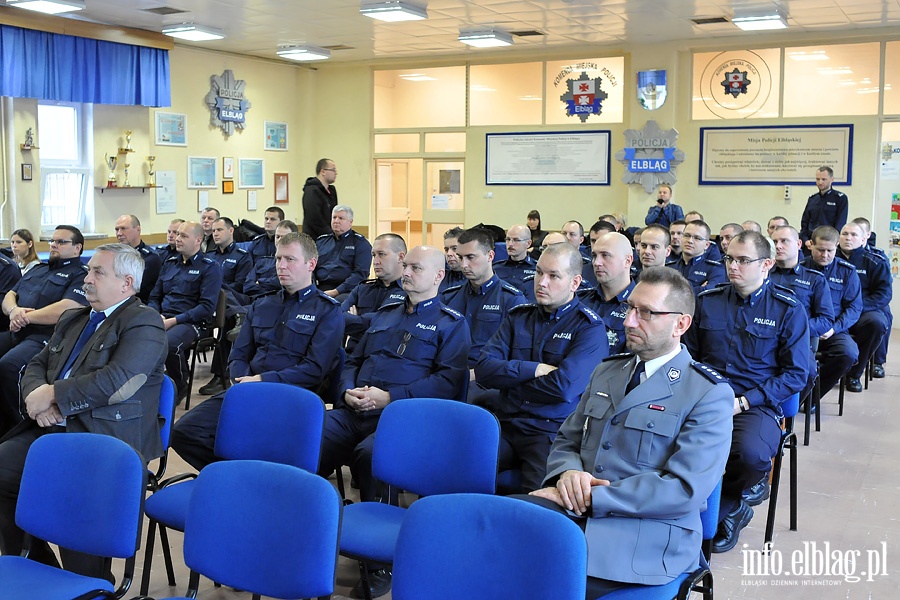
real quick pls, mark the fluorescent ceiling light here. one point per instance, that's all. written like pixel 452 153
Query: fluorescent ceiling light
pixel 807 56
pixel 393 11
pixel 417 77
pixel 489 38
pixel 760 22
pixel 193 33
pixel 50 7
pixel 304 53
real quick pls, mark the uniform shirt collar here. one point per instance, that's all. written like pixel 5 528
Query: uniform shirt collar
pixel 65 262
pixel 753 298
pixel 483 288
pixel 344 235
pixel 559 312
pixel 300 295
pixel 782 270
pixel 193 258
pixel 227 249
pixel 655 364
pixel 424 307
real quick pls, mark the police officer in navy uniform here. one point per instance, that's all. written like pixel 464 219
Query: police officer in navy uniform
pixel 694 262
pixel 880 356
pixel 573 232
pixel 665 212
pixel 263 278
pixel 876 285
pixel 452 272
pixel 756 335
pixel 541 360
pixel 186 296
pixel 33 306
pixel 263 245
pixel 10 274
pixel 344 255
pixel 168 250
pixel 612 259
pixel 653 249
pixel 837 350
pixel 293 336
pixel 826 207
pixel 128 231
pixel 520 264
pixel 388 252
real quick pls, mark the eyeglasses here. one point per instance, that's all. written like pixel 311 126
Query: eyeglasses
pixel 689 236
pixel 332 170
pixel 743 261
pixel 60 242
pixel 402 347
pixel 645 314
pixel 516 240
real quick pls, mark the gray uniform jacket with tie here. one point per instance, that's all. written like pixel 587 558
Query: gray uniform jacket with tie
pixel 663 448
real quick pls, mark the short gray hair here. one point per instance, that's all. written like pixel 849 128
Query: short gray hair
pixel 126 261
pixel 342 208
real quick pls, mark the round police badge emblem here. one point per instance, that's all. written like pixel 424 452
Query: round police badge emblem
pixel 736 85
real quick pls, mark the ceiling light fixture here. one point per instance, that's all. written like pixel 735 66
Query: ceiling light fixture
pixel 486 38
pixel 193 32
pixel 49 7
pixel 303 53
pixel 393 11
pixel 760 21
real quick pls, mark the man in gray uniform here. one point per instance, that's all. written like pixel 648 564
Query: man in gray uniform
pixel 647 444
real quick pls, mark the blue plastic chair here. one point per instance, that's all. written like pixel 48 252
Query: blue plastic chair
pixel 84 492
pixel 273 422
pixel 700 580
pixel 488 547
pixel 166 416
pixel 789 441
pixel 266 528
pixel 429 447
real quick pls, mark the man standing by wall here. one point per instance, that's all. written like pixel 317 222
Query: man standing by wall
pixel 665 212
pixel 319 198
pixel 826 207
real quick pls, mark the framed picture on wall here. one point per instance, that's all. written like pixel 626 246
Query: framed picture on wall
pixel 276 136
pixel 201 172
pixel 28 173
pixel 281 188
pixel 251 172
pixel 228 167
pixel 227 186
pixel 171 129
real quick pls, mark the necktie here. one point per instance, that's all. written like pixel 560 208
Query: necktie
pixel 635 377
pixel 89 329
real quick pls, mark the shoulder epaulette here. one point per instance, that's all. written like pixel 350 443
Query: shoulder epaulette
pixel 453 289
pixel 590 314
pixel 499 263
pixel 521 307
pixel 372 281
pixel 208 260
pixel 817 273
pixel 838 193
pixel 716 290
pixel 845 263
pixel 671 262
pixel 324 235
pixel 259 236
pixel 786 299
pixel 240 250
pixel 528 278
pixel 510 288
pixel 785 289
pixel 708 372
pixel 712 262
pixel 456 314
pixel 359 235
pixel 621 356
pixel 327 297
pixel 584 292
pixel 585 259
pixel 392 304
pixel 173 258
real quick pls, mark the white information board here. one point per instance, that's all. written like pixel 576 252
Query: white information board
pixel 550 158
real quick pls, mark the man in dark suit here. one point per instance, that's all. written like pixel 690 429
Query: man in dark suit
pixel 100 372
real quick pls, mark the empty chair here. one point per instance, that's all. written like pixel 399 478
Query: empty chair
pixel 476 546
pixel 266 528
pixel 83 492
pixel 167 416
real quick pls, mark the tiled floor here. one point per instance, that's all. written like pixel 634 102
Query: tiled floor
pixel 848 505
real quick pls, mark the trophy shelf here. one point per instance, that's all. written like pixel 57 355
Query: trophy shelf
pixel 125 150
pixel 28 148
pixel 127 187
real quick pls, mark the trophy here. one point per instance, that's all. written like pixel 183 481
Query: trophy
pixel 111 162
pixel 29 139
pixel 126 184
pixel 128 134
pixel 151 180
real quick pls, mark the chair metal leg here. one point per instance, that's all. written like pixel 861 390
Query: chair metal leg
pixel 842 383
pixel 148 557
pixel 167 555
pixel 187 400
pixel 817 402
pixel 364 579
pixel 807 419
pixel 773 493
pixel 793 481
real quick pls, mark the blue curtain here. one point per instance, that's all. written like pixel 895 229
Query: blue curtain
pixel 50 66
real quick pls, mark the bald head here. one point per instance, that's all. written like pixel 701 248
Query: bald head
pixel 423 271
pixel 518 241
pixel 554 238
pixel 611 256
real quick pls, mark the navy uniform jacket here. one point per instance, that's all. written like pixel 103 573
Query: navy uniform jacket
pixel 411 355
pixel 113 385
pixel 165 252
pixel 451 279
pixel 811 289
pixel 874 278
pixel 703 272
pixel 514 272
pixel 759 343
pixel 188 290
pixel 44 285
pixel 262 246
pixel 152 266
pixel 664 216
pixel 289 338
pixel 262 278
pixel 571 338
pixel 10 274
pixel 588 278
pixel 343 261
pixel 236 264
pixel 830 209
pixel 612 313
pixel 663 449
pixel 845 294
pixel 367 297
pixel 483 309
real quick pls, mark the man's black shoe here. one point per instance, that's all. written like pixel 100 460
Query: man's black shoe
pixel 853 385
pixel 878 371
pixel 757 494
pixel 379 584
pixel 214 386
pixel 181 395
pixel 730 528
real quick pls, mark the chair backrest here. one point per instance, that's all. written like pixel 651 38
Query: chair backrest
pixel 791 406
pixel 166 410
pixel 430 446
pixel 221 306
pixel 266 528
pixel 275 422
pixel 488 547
pixel 709 518
pixel 334 378
pixel 85 492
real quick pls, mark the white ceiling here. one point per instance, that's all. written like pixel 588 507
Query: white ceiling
pixel 257 27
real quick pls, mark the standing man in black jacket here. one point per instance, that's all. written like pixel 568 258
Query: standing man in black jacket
pixel 319 198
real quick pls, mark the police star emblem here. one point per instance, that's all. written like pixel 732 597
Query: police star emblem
pixel 673 374
pixel 584 97
pixel 735 82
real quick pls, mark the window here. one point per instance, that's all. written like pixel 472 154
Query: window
pixel 65 169
pixel 832 80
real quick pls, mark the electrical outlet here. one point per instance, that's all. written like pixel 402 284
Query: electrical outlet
pixel 787 193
